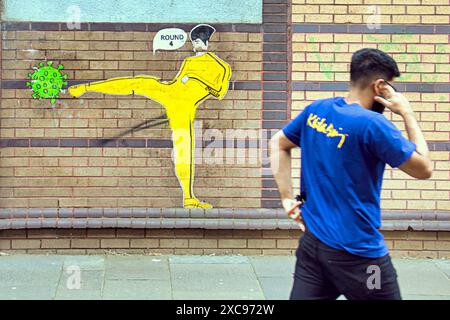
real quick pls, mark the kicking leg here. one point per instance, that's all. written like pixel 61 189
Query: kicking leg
pixel 146 86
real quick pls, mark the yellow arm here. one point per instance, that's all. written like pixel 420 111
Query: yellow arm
pixel 223 91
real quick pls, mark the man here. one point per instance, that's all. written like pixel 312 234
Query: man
pixel 201 77
pixel 345 144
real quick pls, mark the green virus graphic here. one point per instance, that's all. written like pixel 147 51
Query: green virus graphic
pixel 47 81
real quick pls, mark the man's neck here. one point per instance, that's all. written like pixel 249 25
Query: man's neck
pixel 361 97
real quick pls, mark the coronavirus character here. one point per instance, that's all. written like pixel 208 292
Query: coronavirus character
pixel 47 81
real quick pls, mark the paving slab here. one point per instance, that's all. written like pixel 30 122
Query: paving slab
pixel 85 262
pixel 32 278
pixel 89 280
pixel 214 281
pixel 421 277
pixel 137 268
pixel 137 290
pixel 282 266
pixel 30 262
pixel 208 259
pixel 276 288
pixel 27 292
pixel 444 266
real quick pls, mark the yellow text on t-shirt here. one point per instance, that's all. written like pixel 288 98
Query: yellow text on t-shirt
pixel 320 125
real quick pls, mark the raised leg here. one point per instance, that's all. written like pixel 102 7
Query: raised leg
pixel 147 86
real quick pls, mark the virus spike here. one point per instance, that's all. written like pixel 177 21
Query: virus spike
pixel 50 63
pixel 65 76
pixel 60 67
pixel 65 83
pixel 28 84
pixel 35 95
pixel 41 64
pixel 30 75
pixel 53 101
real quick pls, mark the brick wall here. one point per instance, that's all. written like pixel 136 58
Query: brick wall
pixel 47 175
pixel 198 241
pixel 358 11
pixel 416 34
pixel 50 157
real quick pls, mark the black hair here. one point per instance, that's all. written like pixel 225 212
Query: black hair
pixel 369 64
pixel 202 32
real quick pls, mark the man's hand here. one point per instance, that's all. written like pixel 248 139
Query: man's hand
pixel 419 164
pixel 394 101
pixel 292 210
pixel 78 90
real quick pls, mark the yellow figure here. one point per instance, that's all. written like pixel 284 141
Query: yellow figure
pixel 201 76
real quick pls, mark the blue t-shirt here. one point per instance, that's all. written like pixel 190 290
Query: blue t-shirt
pixel 344 149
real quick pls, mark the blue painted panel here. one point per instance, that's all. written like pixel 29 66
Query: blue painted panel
pixel 150 11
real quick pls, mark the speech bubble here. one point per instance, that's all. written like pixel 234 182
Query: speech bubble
pixel 169 39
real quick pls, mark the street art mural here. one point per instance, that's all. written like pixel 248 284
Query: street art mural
pixel 201 77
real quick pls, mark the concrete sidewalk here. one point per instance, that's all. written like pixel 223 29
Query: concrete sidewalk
pixel 184 277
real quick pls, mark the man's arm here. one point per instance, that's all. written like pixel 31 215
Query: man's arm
pixel 281 164
pixel 419 164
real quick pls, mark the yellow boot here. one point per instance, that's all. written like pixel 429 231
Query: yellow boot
pixel 192 203
pixel 78 90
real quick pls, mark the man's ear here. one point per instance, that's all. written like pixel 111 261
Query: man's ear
pixel 378 86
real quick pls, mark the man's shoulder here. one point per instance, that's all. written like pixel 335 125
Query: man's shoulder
pixel 330 100
pixel 320 104
pixel 380 121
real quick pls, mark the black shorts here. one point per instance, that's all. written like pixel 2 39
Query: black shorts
pixel 322 272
